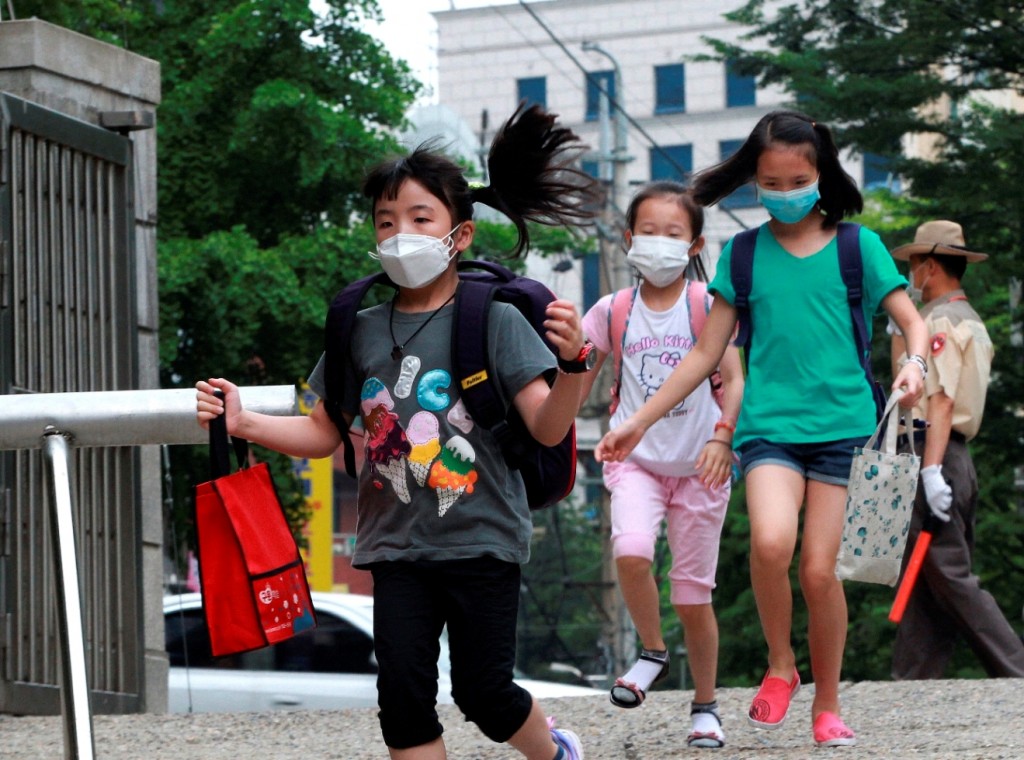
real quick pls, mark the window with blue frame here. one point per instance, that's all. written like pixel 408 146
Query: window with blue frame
pixel 591 167
pixel 878 173
pixel 595 81
pixel 744 196
pixel 671 162
pixel 669 88
pixel 534 90
pixel 740 90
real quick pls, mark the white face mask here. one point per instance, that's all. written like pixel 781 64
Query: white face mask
pixel 660 260
pixel 916 293
pixel 415 261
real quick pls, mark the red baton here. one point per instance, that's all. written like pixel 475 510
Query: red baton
pixel 924 539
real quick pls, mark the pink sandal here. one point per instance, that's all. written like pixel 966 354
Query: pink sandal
pixel 771 703
pixel 830 731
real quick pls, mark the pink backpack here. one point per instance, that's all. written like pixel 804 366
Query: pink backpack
pixel 618 320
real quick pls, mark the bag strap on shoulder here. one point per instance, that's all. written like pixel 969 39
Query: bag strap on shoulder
pixel 341 321
pixel 851 267
pixel 478 387
pixel 619 309
pixel 741 272
pixel 696 296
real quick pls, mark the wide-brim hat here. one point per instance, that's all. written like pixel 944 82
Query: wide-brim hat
pixel 940 237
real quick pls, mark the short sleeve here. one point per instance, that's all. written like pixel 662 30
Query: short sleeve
pixel 880 274
pixel 946 357
pixel 519 354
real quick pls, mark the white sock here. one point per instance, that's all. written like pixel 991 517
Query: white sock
pixel 645 671
pixel 706 721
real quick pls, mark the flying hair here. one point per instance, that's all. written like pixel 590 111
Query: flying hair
pixel 839 194
pixel 532 177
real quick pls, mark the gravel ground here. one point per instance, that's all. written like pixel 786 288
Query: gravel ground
pixel 934 719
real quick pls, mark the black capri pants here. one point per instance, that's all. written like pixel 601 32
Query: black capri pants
pixel 478 599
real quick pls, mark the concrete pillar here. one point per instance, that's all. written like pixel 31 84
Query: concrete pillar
pixel 108 86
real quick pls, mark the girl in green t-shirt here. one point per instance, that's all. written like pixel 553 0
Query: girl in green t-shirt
pixel 801 460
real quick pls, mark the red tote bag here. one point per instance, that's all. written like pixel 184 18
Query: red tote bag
pixel 254 584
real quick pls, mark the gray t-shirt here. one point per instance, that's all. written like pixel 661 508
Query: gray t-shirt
pixel 434 484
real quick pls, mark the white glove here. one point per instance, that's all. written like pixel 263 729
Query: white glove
pixel 937 491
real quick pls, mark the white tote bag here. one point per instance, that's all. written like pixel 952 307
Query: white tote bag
pixel 879 502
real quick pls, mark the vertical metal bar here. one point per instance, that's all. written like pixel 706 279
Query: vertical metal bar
pixel 78 739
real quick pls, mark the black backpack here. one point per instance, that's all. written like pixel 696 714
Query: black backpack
pixel 549 472
pixel 741 270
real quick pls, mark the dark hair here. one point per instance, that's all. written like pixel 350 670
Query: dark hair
pixel 530 176
pixel 839 194
pixel 682 195
pixel 663 189
pixel 953 265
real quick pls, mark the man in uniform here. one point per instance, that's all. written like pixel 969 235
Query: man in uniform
pixel 948 599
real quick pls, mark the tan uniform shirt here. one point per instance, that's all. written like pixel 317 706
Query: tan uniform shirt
pixel 959 360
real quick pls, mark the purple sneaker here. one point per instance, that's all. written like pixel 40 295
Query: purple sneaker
pixel 567 740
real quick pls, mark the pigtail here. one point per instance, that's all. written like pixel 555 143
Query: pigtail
pixel 531 174
pixel 721 180
pixel 839 194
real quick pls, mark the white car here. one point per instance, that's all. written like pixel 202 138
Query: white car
pixel 331 667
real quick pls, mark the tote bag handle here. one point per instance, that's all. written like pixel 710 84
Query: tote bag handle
pixel 220 458
pixel 890 422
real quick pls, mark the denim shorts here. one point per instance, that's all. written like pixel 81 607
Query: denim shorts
pixel 827 461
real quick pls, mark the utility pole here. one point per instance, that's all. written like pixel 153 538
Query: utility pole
pixel 618 636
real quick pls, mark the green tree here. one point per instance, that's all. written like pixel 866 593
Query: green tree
pixel 943 71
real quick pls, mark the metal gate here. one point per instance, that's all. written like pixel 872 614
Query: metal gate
pixel 67 323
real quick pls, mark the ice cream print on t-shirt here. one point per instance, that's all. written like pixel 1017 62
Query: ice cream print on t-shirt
pixel 386 443
pixel 448 467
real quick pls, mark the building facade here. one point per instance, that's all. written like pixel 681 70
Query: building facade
pixel 681 115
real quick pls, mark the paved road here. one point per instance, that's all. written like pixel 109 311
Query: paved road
pixel 965 720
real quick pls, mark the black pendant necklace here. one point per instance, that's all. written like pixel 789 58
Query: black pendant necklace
pixel 396 349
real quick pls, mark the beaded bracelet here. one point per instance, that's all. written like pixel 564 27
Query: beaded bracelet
pixel 920 362
pixel 723 425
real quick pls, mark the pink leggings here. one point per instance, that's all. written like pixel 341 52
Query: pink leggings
pixel 640 501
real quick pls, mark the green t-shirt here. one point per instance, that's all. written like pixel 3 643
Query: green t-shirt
pixel 804 382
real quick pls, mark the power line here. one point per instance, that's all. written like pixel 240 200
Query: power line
pixel 614 101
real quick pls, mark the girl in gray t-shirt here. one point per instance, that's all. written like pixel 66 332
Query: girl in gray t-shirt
pixel 443 522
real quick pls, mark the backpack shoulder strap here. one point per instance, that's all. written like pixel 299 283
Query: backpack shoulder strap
pixel 341 320
pixel 697 306
pixel 470 359
pixel 741 272
pixel 619 309
pixel 851 267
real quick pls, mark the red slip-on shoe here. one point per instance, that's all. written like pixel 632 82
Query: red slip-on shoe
pixel 830 731
pixel 771 703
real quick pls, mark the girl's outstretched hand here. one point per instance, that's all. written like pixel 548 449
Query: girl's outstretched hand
pixel 715 463
pixel 616 444
pixel 209 406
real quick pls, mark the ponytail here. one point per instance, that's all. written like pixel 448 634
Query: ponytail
pixel 530 169
pixel 531 174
